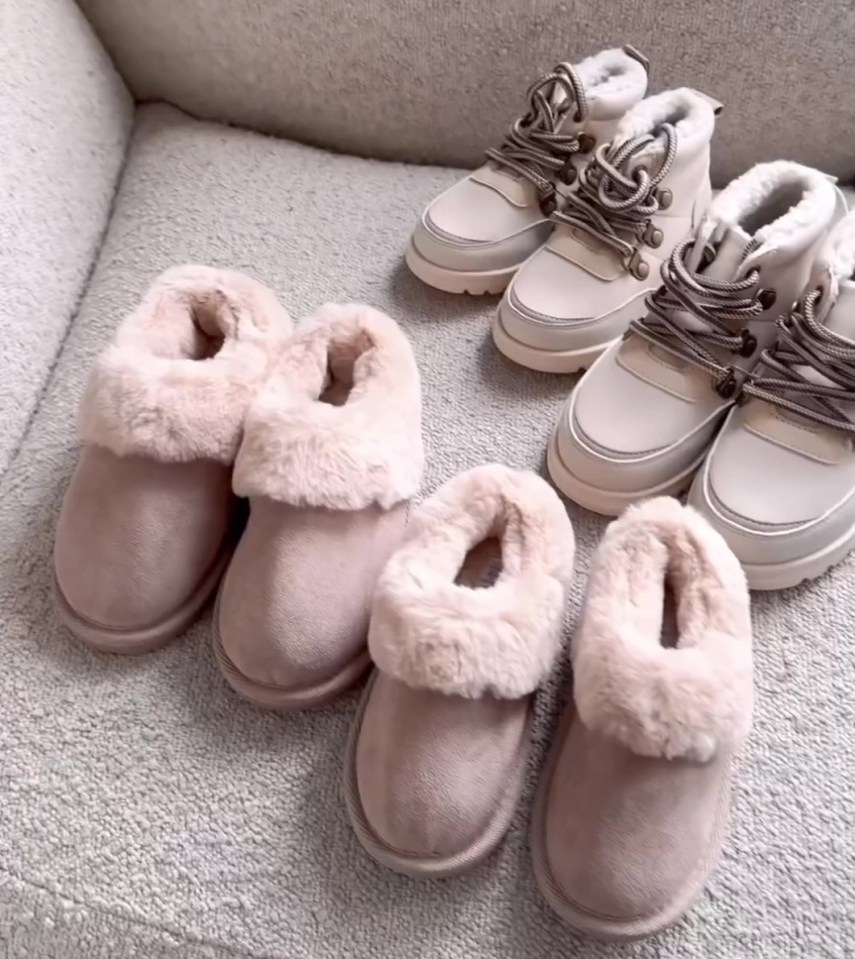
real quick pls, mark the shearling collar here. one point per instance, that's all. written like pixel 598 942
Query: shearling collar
pixel 178 378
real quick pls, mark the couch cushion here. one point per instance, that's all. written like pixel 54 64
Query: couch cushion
pixel 438 82
pixel 146 811
pixel 65 117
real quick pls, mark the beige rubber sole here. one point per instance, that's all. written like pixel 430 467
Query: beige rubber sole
pixel 139 641
pixel 545 361
pixel 286 699
pixel 438 867
pixel 606 502
pixel 476 283
pixel 774 576
pixel 609 928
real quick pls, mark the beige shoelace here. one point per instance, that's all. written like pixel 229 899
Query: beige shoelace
pixel 805 344
pixel 533 147
pixel 719 305
pixel 614 201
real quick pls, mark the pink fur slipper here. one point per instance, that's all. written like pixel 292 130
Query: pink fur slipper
pixel 148 519
pixel 633 805
pixel 466 624
pixel 332 453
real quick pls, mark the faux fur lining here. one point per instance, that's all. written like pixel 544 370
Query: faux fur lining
pixel 691 114
pixel 176 382
pixel 612 73
pixel 689 701
pixel 301 450
pixel 800 226
pixel 430 632
pixel 838 251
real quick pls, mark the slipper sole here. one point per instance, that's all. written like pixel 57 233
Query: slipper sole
pixel 610 928
pixel 281 697
pixel 432 867
pixel 138 641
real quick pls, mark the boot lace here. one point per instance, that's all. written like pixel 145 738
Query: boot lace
pixel 722 307
pixel 614 203
pixel 533 147
pixel 804 344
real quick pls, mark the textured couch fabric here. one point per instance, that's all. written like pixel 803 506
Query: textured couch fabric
pixel 439 81
pixel 146 811
pixel 65 117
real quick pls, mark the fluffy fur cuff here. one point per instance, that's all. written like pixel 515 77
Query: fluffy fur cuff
pixel 806 201
pixel 838 252
pixel 176 382
pixel 689 701
pixel 690 113
pixel 431 632
pixel 364 444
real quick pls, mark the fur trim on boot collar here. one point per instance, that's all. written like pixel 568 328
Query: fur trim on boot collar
pixel 805 199
pixel 690 701
pixel 367 449
pixel 176 382
pixel 690 113
pixel 428 631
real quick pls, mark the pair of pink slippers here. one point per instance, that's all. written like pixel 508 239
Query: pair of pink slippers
pixel 208 399
pixel 466 626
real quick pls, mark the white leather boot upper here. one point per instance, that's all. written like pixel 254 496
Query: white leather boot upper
pixel 779 483
pixel 490 222
pixel 635 201
pixel 643 417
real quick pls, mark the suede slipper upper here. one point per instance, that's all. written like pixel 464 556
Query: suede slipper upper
pixel 332 453
pixel 148 518
pixel 466 624
pixel 633 804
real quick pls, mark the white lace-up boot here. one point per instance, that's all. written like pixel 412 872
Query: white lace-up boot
pixel 779 482
pixel 473 237
pixel 641 420
pixel 635 201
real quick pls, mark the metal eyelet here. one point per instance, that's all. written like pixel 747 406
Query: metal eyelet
pixel 708 255
pixel 652 236
pixel 548 205
pixel 586 143
pixel 568 173
pixel 749 343
pixel 726 388
pixel 766 298
pixel 665 198
pixel 639 268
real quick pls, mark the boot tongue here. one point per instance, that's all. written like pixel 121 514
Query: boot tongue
pixel 731 252
pixel 840 318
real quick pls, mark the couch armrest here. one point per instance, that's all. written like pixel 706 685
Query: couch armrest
pixel 65 117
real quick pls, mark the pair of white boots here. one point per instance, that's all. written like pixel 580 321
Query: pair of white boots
pixel 735 376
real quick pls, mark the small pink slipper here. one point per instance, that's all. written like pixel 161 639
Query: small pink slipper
pixel 148 520
pixel 331 455
pixel 466 625
pixel 634 801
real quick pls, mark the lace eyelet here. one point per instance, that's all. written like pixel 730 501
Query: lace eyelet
pixel 639 268
pixel 708 255
pixel 726 388
pixel 665 198
pixel 749 343
pixel 766 298
pixel 568 173
pixel 653 237
pixel 586 143
pixel 548 205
